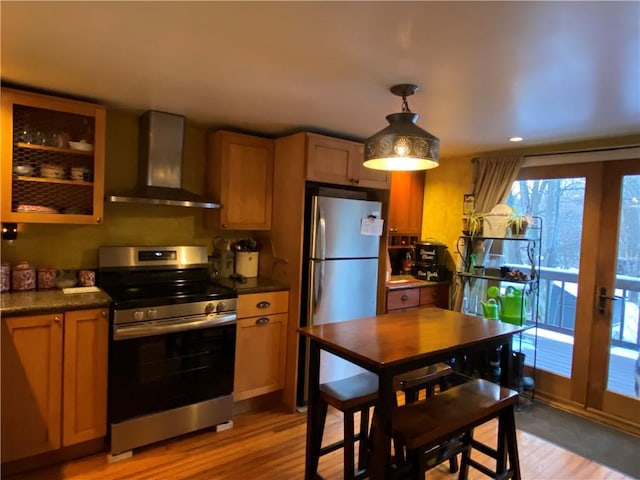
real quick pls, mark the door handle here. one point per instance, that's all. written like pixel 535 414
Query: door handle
pixel 602 300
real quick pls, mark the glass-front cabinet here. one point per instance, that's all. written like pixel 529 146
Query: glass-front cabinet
pixel 52 159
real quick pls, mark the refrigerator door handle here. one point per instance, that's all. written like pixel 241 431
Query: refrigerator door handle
pixel 317 276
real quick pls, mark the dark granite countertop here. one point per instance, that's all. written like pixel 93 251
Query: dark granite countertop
pixel 251 285
pixel 407 281
pixel 35 302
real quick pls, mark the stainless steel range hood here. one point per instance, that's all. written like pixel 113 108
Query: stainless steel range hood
pixel 161 137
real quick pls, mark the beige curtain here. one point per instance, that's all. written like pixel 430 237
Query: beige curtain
pixel 492 180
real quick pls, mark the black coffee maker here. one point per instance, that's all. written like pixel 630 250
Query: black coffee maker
pixel 429 261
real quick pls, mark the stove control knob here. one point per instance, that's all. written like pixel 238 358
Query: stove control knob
pixel 138 315
pixel 220 307
pixel 152 313
pixel 209 308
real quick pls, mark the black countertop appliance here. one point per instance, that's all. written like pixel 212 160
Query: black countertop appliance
pixel 430 260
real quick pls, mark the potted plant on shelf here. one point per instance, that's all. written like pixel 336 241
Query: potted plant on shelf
pixel 472 224
pixel 518 224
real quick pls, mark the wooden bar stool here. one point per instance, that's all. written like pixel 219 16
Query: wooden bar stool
pixel 350 395
pixel 358 394
pixel 441 427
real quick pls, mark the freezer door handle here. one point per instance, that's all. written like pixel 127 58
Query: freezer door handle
pixel 318 232
pixel 322 236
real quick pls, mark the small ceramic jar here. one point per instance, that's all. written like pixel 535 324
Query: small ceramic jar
pixel 87 278
pixel 47 278
pixel 23 277
pixel 5 277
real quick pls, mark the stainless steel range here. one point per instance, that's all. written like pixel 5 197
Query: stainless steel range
pixel 172 348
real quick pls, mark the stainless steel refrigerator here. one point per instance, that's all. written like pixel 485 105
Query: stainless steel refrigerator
pixel 342 272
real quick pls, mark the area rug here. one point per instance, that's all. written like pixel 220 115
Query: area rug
pixel 592 440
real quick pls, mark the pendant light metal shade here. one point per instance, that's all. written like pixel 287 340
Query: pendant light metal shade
pixel 402 145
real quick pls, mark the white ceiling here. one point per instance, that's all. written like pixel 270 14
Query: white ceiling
pixel 547 71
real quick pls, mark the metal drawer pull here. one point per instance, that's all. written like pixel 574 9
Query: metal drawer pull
pixel 262 321
pixel 404 298
pixel 263 305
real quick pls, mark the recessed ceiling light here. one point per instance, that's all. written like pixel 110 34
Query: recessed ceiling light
pixel 516 139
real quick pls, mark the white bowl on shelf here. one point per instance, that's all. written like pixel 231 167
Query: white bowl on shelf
pixel 23 170
pixel 83 146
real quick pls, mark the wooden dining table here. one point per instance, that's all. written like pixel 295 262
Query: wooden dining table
pixel 394 343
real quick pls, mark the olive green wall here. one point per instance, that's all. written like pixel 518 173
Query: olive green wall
pixel 75 246
pixel 446 185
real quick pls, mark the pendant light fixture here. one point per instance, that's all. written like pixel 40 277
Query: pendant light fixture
pixel 402 145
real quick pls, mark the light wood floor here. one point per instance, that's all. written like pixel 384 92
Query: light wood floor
pixel 271 445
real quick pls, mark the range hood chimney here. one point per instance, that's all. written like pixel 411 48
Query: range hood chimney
pixel 161 138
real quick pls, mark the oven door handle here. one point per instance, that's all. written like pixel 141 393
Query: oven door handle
pixel 162 327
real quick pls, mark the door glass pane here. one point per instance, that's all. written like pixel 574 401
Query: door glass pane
pixel 624 366
pixel 560 204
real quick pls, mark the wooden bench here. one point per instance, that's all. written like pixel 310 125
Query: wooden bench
pixel 358 394
pixel 442 427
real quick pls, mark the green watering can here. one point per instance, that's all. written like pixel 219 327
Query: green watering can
pixel 490 309
pixel 512 305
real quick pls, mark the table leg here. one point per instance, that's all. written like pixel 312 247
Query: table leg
pixel 314 433
pixel 505 364
pixel 380 459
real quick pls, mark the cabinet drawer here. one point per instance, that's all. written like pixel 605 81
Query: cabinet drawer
pixel 435 295
pixel 264 303
pixel 405 298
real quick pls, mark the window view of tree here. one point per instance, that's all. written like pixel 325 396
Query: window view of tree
pixel 559 203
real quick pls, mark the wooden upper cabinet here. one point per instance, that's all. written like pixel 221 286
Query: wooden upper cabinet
pixel 240 178
pixel 405 203
pixel 336 161
pixel 45 178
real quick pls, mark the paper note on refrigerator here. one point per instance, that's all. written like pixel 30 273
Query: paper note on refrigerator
pixel 371 226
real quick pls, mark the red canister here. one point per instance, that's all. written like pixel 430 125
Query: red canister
pixel 87 278
pixel 5 277
pixel 23 277
pixel 47 278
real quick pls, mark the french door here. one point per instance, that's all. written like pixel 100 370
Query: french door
pixel 588 331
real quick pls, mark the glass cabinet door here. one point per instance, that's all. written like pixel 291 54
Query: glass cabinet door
pixel 52 159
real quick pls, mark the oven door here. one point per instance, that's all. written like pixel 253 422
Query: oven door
pixel 177 366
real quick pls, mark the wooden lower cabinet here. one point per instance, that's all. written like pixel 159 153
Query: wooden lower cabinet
pixel 406 298
pixel 54 381
pixel 413 297
pixel 84 406
pixel 260 344
pixel 435 296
